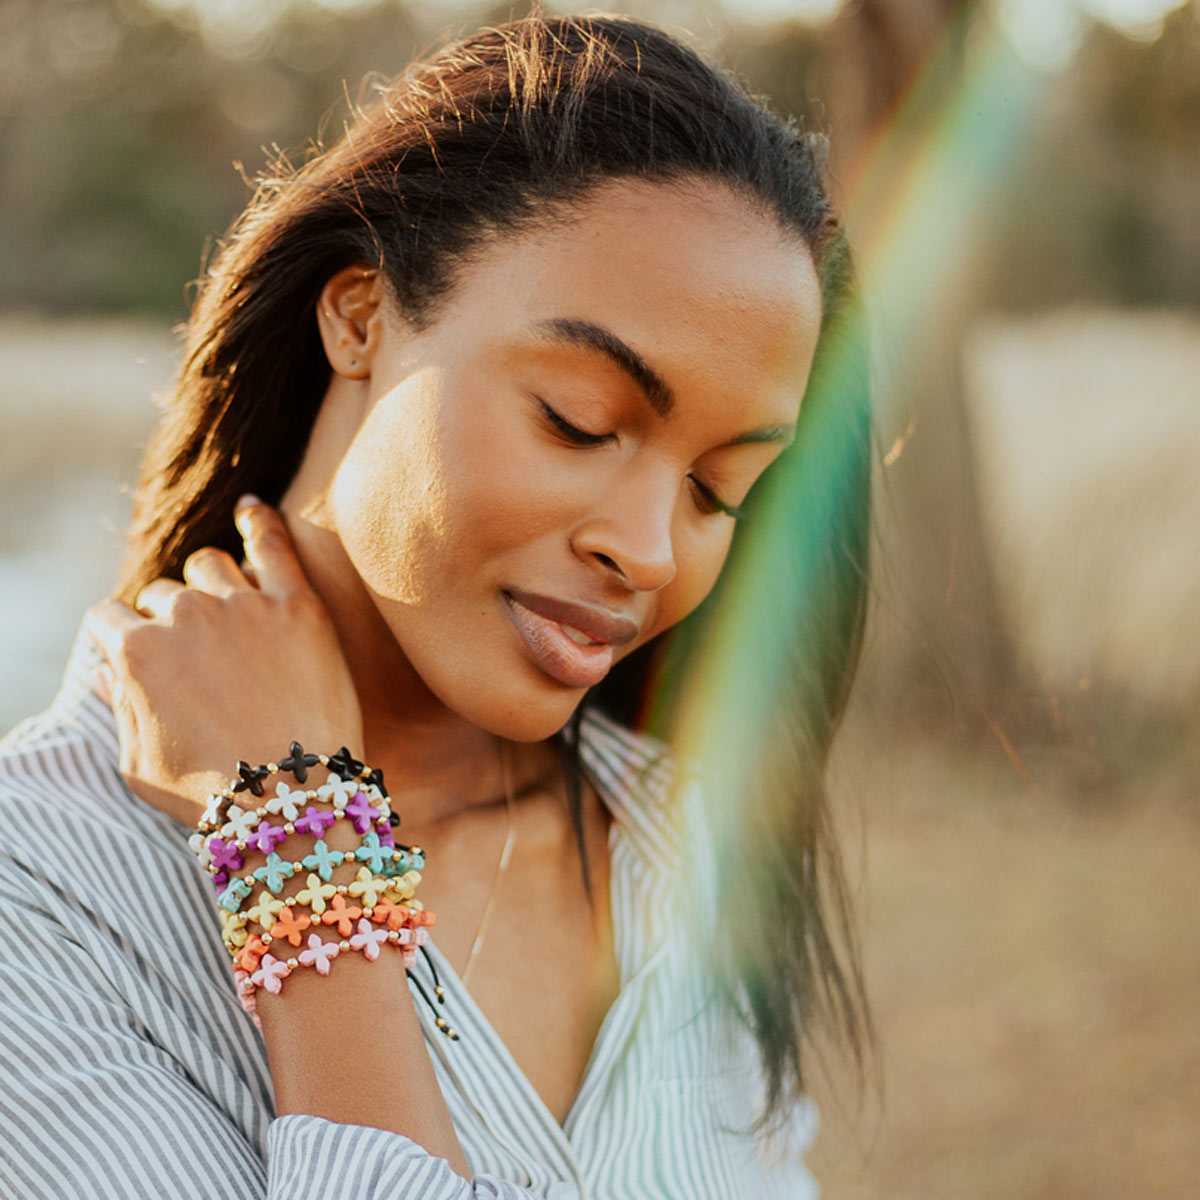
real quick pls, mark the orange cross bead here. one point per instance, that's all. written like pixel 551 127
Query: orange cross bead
pixel 393 914
pixel 290 924
pixel 250 953
pixel 341 914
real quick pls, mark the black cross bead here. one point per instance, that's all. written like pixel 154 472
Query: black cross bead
pixel 250 777
pixel 345 764
pixel 299 762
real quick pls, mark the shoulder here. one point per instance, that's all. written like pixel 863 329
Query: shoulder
pixel 66 756
pixel 60 789
pixel 50 764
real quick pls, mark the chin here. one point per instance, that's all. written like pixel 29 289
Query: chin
pixel 518 711
pixel 536 721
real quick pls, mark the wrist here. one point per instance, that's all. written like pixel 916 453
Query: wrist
pixel 309 871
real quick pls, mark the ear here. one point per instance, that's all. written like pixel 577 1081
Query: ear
pixel 349 315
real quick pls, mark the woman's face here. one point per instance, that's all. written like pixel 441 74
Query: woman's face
pixel 539 480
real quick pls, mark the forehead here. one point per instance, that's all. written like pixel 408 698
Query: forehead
pixel 703 283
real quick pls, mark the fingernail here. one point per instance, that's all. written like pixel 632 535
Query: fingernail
pixel 246 501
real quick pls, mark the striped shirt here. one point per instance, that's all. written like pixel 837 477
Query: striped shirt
pixel 128 1068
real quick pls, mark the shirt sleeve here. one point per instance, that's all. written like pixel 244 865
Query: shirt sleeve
pixel 312 1158
pixel 92 1108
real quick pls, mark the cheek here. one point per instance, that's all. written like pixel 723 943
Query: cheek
pixel 391 497
pixel 698 564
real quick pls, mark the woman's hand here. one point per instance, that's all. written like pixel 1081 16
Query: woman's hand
pixel 223 667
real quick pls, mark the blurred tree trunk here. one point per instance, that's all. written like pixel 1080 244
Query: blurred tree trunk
pixel 895 69
pixel 888 70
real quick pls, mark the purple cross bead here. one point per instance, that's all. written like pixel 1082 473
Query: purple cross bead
pixel 225 855
pixel 267 836
pixel 363 812
pixel 315 821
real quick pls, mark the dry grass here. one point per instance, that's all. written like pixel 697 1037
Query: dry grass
pixel 1034 975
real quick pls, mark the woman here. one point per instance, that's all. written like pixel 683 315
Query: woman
pixel 504 366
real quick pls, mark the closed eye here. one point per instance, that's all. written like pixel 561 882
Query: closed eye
pixel 709 502
pixel 572 433
pixel 706 499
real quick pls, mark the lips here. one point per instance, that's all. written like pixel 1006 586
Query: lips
pixel 553 630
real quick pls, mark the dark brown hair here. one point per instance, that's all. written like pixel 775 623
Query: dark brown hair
pixel 486 138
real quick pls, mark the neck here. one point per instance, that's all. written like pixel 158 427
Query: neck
pixel 437 765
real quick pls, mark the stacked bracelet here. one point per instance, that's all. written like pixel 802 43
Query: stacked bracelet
pixel 376 909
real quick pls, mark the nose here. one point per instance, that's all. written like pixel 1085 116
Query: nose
pixel 629 537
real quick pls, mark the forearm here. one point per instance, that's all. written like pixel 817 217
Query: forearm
pixel 348 1046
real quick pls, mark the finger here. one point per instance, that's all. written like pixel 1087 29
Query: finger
pixel 125 715
pixel 269 548
pixel 107 685
pixel 102 683
pixel 157 597
pixel 108 624
pixel 213 571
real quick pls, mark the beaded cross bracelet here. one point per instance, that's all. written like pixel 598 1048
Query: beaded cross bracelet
pixel 383 885
pixel 344 767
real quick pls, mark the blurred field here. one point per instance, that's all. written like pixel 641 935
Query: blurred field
pixel 1086 436
pixel 1030 943
pixel 1034 972
pixel 75 406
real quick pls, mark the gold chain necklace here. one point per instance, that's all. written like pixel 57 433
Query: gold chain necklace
pixel 501 866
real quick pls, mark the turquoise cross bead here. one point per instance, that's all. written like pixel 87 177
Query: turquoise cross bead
pixel 373 853
pixel 274 871
pixel 231 898
pixel 323 860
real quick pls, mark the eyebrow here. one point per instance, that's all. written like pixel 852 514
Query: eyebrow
pixel 574 331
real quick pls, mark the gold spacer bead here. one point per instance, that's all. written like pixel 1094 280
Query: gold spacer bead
pixel 290 901
pixel 273 768
pixel 439 991
pixel 289 828
pixel 323 759
pixel 343 944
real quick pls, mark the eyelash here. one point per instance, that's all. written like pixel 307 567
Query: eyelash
pixel 709 502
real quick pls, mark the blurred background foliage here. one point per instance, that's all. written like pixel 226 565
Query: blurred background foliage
pixel 1022 179
pixel 122 120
